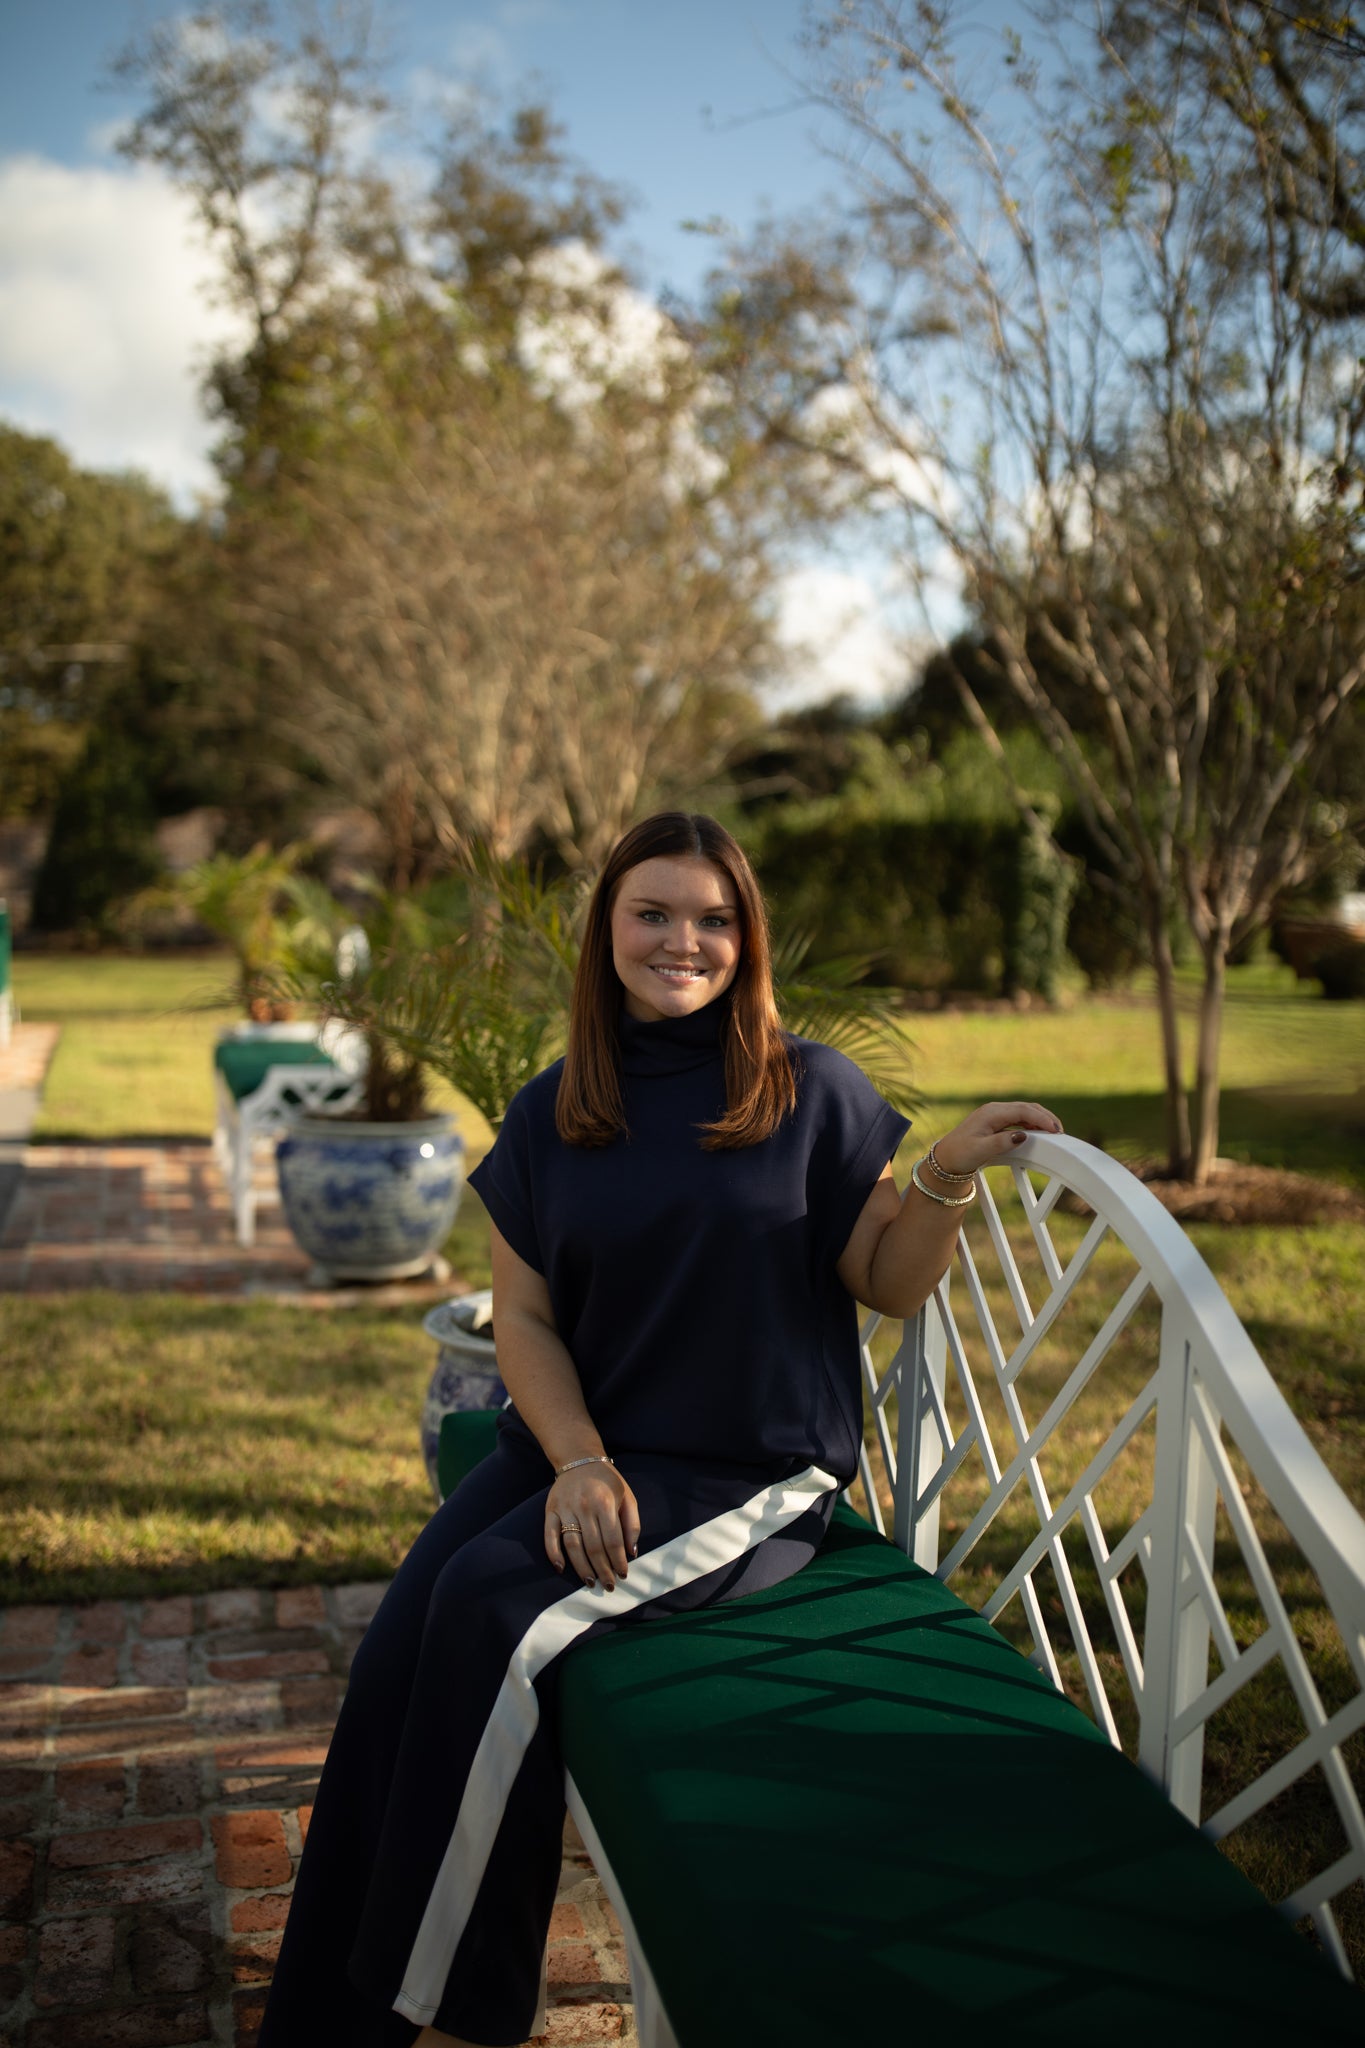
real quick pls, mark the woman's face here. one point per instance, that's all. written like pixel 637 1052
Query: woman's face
pixel 675 936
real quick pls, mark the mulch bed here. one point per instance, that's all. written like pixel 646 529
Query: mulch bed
pixel 1253 1194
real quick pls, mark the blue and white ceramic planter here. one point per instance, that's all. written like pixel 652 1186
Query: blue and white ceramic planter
pixel 371 1201
pixel 466 1375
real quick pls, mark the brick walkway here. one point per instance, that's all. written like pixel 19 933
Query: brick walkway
pixel 158 1757
pixel 24 1061
pixel 157 1765
pixel 137 1216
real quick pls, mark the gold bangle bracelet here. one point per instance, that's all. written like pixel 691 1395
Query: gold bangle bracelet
pixel 944 1201
pixel 942 1171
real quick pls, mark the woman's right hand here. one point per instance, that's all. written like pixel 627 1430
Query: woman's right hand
pixel 592 1524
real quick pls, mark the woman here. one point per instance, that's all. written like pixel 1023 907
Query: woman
pixel 686 1210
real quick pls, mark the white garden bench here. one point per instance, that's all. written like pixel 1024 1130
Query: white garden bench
pixel 848 1810
pixel 264 1075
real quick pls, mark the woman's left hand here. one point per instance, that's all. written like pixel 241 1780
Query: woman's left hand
pixel 991 1133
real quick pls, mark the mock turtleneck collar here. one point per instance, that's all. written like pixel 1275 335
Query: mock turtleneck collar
pixel 674 1044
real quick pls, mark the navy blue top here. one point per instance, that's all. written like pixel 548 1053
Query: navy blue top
pixel 696 1291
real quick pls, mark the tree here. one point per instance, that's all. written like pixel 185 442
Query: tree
pixel 80 559
pixel 1080 359
pixel 505 573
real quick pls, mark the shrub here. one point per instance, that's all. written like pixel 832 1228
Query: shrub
pixel 102 846
pixel 1341 970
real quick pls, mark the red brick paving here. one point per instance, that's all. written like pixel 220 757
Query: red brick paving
pixel 158 1830
pixel 155 1217
pixel 137 1217
pixel 158 1758
pixel 24 1061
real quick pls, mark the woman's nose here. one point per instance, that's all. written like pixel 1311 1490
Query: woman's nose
pixel 682 939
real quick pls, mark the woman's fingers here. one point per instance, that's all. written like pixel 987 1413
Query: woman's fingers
pixel 591 1532
pixel 630 1523
pixel 991 1133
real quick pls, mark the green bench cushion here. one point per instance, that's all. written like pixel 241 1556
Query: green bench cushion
pixel 244 1063
pixel 846 1810
pixel 887 1822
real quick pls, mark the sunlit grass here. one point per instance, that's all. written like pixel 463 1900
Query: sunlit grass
pixel 154 1442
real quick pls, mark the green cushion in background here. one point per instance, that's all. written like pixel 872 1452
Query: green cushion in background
pixel 466 1438
pixel 244 1063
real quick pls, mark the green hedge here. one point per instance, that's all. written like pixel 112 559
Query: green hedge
pixel 963 903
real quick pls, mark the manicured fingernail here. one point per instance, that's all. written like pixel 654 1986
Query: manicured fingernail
pixel 1018 1137
pixel 636 1551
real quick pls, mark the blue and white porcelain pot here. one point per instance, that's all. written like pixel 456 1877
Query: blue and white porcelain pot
pixel 466 1375
pixel 371 1201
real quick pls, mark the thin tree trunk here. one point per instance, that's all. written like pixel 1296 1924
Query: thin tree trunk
pixel 1206 1076
pixel 1177 1107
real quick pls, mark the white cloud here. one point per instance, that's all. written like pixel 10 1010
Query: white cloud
pixel 104 317
pixel 585 331
pixel 841 639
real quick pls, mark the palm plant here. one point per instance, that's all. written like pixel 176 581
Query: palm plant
pixel 832 1003
pixel 243 900
pixel 470 983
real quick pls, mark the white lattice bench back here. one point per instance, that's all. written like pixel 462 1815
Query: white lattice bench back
pixel 1078 1433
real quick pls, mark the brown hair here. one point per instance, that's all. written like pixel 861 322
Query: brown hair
pixel 760 1086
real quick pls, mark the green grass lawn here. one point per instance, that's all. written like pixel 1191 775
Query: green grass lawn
pixel 135 1056
pixel 1293 1071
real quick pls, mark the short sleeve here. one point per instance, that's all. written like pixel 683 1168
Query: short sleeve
pixel 856 1133
pixel 503 1182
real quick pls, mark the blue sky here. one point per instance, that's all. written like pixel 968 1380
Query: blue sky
pixel 683 101
pixel 104 317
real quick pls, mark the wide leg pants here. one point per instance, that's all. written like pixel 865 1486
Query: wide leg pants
pixel 426 1887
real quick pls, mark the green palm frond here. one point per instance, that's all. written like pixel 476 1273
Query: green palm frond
pixel 832 1004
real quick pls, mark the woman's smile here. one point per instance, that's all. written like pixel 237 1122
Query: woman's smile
pixel 676 938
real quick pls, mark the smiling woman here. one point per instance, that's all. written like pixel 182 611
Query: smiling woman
pixel 685 1212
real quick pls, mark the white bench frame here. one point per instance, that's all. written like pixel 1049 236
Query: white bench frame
pixel 259 1120
pixel 1209 1392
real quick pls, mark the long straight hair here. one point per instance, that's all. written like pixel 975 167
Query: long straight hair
pixel 760 1085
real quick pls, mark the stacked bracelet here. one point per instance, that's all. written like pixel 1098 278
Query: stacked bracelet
pixel 944 1201
pixel 575 1462
pixel 942 1171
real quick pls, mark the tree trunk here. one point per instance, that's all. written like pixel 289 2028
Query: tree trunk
pixel 1177 1107
pixel 1206 1077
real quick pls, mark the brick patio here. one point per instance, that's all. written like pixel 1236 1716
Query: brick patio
pixel 137 1216
pixel 158 1757
pixel 158 1760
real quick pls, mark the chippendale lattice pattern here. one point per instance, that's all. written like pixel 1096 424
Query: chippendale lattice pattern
pixel 1078 1432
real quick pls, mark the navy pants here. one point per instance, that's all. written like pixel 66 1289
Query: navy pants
pixel 426 1887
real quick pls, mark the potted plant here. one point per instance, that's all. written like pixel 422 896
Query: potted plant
pixel 470 983
pixel 370 1190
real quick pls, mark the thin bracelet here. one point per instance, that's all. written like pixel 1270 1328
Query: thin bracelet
pixel 574 1463
pixel 944 1201
pixel 942 1171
